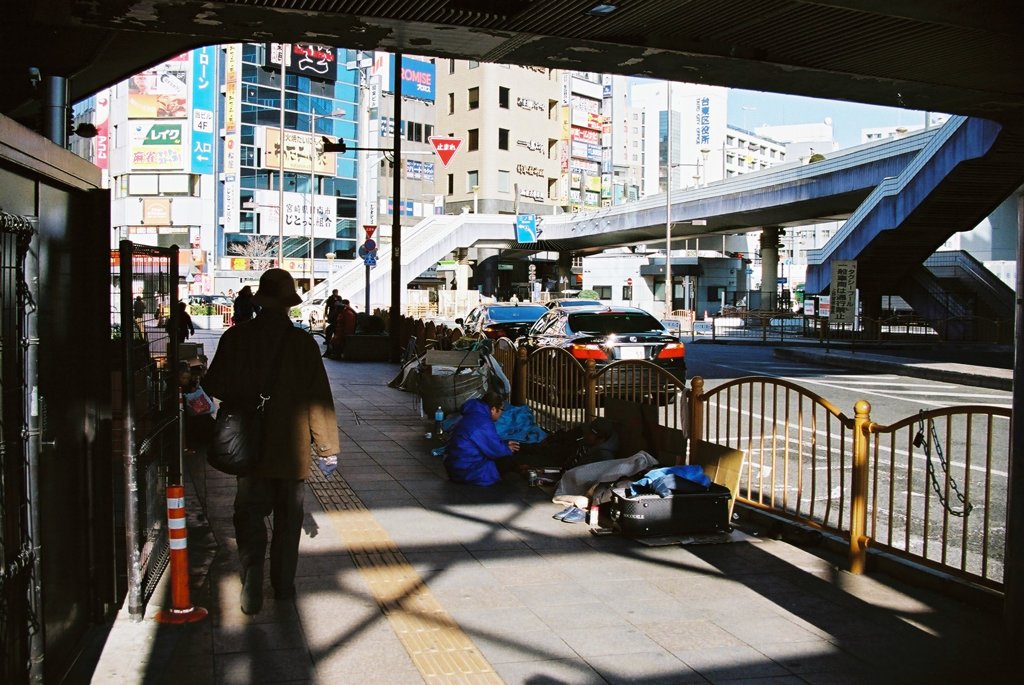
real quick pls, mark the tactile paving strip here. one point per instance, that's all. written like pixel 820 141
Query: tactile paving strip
pixel 436 644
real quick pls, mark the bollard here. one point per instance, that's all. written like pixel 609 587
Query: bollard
pixel 182 610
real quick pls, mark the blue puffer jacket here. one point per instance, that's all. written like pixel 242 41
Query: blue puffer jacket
pixel 474 446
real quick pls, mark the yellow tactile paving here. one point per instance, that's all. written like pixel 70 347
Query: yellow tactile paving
pixel 439 649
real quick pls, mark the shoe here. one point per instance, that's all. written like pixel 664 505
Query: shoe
pixel 560 516
pixel 577 515
pixel 252 590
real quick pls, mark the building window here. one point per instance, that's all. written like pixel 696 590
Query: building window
pixel 472 180
pixel 604 292
pixel 451 66
pixel 627 292
pixel 451 184
pixel 474 98
pixel 472 64
pixel 502 138
pixel 504 181
pixel 451 103
pixel 503 97
pixel 428 132
pixel 474 140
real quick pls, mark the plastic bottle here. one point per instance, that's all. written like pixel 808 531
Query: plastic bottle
pixel 439 422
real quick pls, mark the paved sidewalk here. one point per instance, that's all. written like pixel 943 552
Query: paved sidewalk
pixel 407 578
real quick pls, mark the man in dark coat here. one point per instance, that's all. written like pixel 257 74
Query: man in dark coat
pixel 244 306
pixel 300 411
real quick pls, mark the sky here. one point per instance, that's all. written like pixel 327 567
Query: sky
pixel 749 109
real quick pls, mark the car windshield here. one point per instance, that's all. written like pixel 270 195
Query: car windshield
pixel 579 303
pixel 614 322
pixel 511 314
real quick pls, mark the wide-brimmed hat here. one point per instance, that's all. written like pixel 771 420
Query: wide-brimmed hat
pixel 277 287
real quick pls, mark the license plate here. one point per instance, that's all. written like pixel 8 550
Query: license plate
pixel 632 352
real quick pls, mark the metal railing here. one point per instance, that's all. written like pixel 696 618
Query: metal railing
pixel 930 488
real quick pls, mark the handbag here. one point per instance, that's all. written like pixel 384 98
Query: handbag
pixel 236 447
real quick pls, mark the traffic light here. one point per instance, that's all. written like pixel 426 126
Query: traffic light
pixel 340 146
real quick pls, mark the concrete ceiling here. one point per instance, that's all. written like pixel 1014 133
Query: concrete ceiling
pixel 958 56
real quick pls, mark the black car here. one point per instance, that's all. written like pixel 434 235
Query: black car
pixel 503 320
pixel 607 334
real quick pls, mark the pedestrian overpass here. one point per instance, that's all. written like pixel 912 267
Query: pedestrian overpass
pixel 929 185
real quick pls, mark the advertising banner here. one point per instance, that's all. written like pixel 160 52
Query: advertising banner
pixel 156 211
pixel 299 148
pixel 418 78
pixel 156 146
pixel 586 135
pixel 305 59
pixel 159 93
pixel 232 163
pixel 101 143
pixel 299 213
pixel 203 94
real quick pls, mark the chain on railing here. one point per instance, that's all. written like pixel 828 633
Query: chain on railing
pixel 932 442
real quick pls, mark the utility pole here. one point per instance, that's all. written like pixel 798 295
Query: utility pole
pixel 396 230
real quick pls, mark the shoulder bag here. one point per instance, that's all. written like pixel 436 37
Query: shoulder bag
pixel 237 444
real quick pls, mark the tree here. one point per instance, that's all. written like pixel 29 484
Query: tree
pixel 259 250
pixel 588 294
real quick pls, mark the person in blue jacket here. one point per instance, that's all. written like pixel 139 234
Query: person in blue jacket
pixel 474 447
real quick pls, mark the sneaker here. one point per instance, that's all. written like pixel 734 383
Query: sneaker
pixel 561 515
pixel 577 515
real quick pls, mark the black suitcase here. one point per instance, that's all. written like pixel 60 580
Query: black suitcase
pixel 677 514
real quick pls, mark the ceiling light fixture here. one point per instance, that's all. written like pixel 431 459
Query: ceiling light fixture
pixel 602 9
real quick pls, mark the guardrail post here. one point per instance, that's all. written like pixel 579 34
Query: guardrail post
pixel 591 390
pixel 519 384
pixel 696 409
pixel 859 486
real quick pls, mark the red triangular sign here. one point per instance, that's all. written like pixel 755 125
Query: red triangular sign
pixel 369 228
pixel 445 147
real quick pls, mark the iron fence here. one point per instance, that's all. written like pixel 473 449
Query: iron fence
pixel 144 328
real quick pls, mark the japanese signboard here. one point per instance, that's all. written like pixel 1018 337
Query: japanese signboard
pixel 156 146
pixel 298 149
pixel 301 212
pixel 305 59
pixel 842 293
pixel 203 95
pixel 159 93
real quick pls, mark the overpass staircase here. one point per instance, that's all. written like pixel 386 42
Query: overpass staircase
pixel 963 173
pixel 961 298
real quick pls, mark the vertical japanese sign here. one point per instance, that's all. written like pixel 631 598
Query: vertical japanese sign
pixel 101 143
pixel 842 300
pixel 232 140
pixel 203 94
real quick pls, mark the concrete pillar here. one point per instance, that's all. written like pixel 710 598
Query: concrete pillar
pixel 486 270
pixel 770 267
pixel 1013 574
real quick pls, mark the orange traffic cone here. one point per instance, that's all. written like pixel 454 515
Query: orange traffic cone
pixel 182 610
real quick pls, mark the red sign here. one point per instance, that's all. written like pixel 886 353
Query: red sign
pixel 445 147
pixel 369 228
pixel 629 281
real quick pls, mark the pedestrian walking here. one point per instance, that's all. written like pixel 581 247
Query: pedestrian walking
pixel 299 411
pixel 185 325
pixel 244 306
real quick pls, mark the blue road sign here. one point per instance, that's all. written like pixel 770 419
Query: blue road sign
pixel 362 251
pixel 370 259
pixel 526 228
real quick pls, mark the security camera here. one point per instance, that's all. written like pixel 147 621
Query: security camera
pixel 34 77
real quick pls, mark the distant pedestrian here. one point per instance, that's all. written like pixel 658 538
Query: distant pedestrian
pixel 300 410
pixel 139 308
pixel 344 326
pixel 245 307
pixel 185 325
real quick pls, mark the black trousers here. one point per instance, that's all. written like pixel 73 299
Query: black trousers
pixel 256 499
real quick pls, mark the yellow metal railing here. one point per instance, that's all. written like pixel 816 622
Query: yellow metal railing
pixel 930 488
